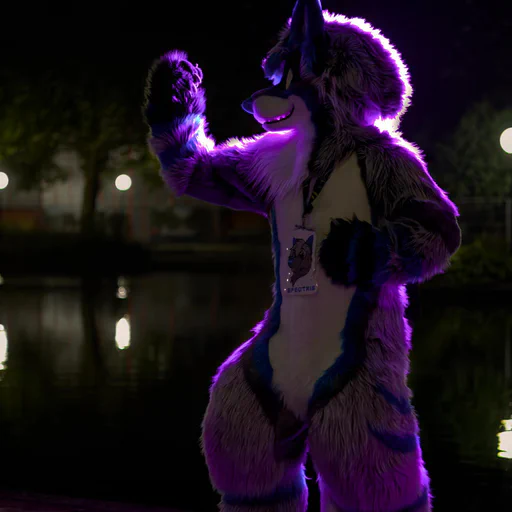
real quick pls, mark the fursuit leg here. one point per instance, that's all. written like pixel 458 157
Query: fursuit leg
pixel 365 447
pixel 239 446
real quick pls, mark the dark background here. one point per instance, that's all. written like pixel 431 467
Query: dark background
pixel 81 416
pixel 457 51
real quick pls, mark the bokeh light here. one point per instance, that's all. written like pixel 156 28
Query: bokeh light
pixel 4 180
pixel 506 141
pixel 123 182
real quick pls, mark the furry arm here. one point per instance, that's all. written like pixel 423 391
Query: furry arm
pixel 417 219
pixel 415 231
pixel 190 162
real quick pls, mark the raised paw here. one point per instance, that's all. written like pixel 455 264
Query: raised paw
pixel 173 89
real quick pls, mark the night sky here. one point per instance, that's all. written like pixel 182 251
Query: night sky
pixel 458 51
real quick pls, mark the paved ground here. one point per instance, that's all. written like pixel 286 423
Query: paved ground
pixel 42 503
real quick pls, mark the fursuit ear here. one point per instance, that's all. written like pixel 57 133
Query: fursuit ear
pixel 314 46
pixel 296 36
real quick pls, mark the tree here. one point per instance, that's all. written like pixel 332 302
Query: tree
pixel 93 114
pixel 31 125
pixel 472 163
pixel 101 120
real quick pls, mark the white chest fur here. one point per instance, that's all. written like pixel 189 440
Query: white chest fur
pixel 309 337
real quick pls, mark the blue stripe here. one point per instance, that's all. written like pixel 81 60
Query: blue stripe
pixel 352 346
pixel 403 444
pixel 276 310
pixel 172 153
pixel 420 502
pixel 261 357
pixel 285 493
pixel 401 404
pixel 159 129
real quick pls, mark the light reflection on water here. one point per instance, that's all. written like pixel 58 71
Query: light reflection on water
pixel 505 440
pixel 122 288
pixel 3 347
pixel 123 335
pixel 111 387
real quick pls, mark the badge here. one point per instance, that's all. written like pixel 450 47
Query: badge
pixel 301 278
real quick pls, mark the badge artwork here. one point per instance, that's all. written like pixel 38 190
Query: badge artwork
pixel 300 258
pixel 301 261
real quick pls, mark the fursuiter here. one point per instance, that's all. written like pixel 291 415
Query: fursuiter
pixel 355 216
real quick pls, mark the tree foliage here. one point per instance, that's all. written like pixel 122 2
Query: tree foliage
pixel 31 129
pixel 472 162
pixel 91 112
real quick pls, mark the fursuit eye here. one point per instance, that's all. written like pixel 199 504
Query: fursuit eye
pixel 289 78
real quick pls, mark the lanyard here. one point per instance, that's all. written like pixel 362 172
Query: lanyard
pixel 308 201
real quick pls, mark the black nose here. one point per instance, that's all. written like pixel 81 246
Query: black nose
pixel 247 105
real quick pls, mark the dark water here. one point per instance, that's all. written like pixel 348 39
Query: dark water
pixel 82 414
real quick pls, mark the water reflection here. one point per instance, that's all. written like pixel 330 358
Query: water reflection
pixel 129 379
pixel 459 375
pixel 123 333
pixel 3 347
pixel 122 288
pixel 122 292
pixel 505 440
